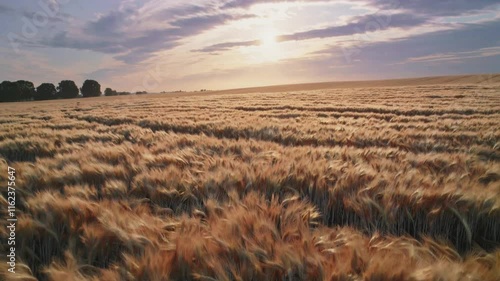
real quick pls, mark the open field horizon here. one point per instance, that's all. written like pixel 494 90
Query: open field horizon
pixel 491 79
pixel 470 79
pixel 370 183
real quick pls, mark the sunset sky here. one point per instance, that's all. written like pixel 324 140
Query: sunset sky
pixel 158 45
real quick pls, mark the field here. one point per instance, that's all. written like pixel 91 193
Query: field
pixel 372 183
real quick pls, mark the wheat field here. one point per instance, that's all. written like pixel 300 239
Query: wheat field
pixel 382 183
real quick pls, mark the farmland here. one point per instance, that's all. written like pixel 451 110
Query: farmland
pixel 372 183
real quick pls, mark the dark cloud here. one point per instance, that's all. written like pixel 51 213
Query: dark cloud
pixel 182 16
pixel 130 49
pixel 205 22
pixel 111 24
pixel 153 41
pixel 361 24
pixel 181 11
pixel 62 40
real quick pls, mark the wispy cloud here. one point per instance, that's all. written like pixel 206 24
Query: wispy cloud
pixel 133 35
pixel 227 46
pixel 361 24
pixel 455 56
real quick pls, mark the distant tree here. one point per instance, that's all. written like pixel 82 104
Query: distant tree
pixel 124 93
pixel 46 91
pixel 26 90
pixel 141 93
pixel 91 88
pixel 67 89
pixel 16 91
pixel 8 92
pixel 110 92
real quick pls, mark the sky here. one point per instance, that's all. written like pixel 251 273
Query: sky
pixel 156 45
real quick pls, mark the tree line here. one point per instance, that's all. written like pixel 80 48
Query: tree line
pixel 25 91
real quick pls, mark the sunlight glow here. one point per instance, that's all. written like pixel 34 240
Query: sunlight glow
pixel 269 49
pixel 268 38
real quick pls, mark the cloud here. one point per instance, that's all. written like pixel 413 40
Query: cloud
pixel 5 9
pixel 357 25
pixel 231 4
pixel 417 7
pixel 435 8
pixel 62 40
pixel 467 50
pixel 193 25
pixel 227 46
pixel 467 40
pixel 180 11
pixel 134 36
pixel 361 24
pixel 455 56
pixel 389 14
pixel 110 24
pixel 59 18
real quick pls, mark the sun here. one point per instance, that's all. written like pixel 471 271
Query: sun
pixel 268 38
pixel 269 47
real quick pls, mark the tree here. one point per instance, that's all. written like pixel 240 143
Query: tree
pixel 67 89
pixel 25 89
pixel 16 91
pixel 91 88
pixel 46 91
pixel 8 91
pixel 110 92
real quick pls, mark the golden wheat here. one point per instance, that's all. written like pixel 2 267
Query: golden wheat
pixel 397 183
